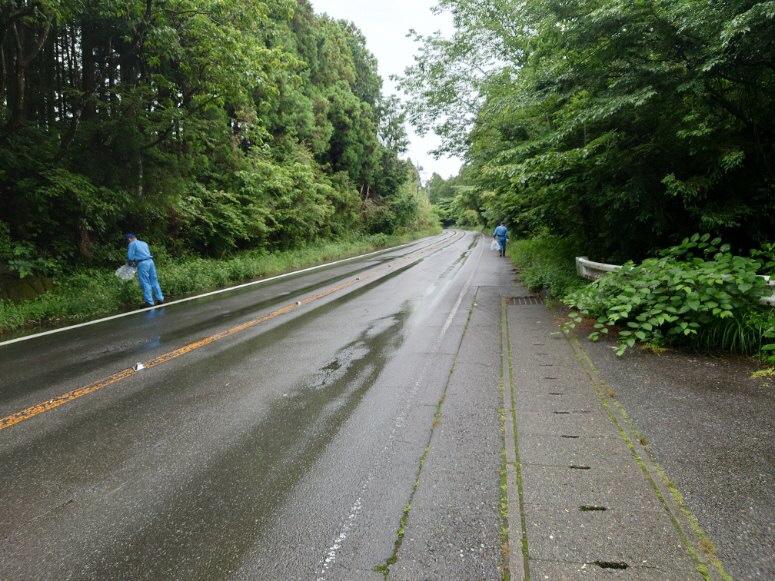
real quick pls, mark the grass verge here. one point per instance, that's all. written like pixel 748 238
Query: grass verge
pixel 95 293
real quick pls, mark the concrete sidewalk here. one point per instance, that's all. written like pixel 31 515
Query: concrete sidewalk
pixel 584 494
pixel 533 471
pixel 664 463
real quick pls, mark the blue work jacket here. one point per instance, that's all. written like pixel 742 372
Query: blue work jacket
pixel 137 251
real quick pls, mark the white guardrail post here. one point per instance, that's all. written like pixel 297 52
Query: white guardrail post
pixel 594 270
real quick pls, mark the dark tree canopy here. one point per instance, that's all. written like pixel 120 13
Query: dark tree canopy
pixel 626 125
pixel 207 126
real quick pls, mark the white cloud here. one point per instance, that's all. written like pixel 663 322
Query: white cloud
pixel 385 26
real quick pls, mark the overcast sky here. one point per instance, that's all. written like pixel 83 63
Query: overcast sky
pixel 385 24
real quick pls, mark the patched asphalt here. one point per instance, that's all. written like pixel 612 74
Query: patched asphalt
pixel 710 426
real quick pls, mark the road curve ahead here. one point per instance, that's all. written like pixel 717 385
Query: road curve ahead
pixel 278 431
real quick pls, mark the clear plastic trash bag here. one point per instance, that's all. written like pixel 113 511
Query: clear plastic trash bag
pixel 126 272
pixel 494 245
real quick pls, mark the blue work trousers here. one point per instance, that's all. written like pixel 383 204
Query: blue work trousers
pixel 146 274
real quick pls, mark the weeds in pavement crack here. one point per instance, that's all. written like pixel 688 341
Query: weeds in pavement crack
pixel 384 568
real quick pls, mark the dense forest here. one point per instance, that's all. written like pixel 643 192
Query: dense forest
pixel 206 126
pixel 212 126
pixel 620 125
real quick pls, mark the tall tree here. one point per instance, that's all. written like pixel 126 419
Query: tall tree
pixel 583 116
pixel 210 126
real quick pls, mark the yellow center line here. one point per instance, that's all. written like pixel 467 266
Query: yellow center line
pixel 39 408
pixel 74 394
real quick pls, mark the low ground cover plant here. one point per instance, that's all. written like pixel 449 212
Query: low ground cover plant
pixel 697 294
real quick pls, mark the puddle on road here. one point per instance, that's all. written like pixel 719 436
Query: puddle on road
pixel 209 525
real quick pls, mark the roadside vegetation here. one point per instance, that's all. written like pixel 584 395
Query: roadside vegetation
pixel 239 139
pixel 208 128
pixel 616 130
pixel 696 295
pixel 547 264
pixel 92 293
pixel 624 126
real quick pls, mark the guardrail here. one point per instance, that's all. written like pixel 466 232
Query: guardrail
pixel 593 270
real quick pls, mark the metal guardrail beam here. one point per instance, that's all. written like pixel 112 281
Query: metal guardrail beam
pixel 593 270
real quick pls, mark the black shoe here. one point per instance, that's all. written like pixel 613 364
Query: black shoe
pixel 160 302
pixel 146 305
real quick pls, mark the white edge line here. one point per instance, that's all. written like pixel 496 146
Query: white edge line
pixel 332 552
pixel 463 292
pixel 211 293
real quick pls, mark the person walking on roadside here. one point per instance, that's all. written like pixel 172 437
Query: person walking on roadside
pixel 139 255
pixel 501 234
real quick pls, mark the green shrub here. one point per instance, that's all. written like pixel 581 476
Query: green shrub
pixel 547 263
pixel 696 294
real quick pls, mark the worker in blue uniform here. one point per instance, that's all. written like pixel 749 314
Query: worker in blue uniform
pixel 139 255
pixel 501 234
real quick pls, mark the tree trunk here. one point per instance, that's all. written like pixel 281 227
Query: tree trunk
pixel 88 77
pixel 22 62
pixel 3 69
pixel 84 241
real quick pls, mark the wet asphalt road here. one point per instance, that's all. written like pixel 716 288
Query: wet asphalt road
pixel 343 421
pixel 268 423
